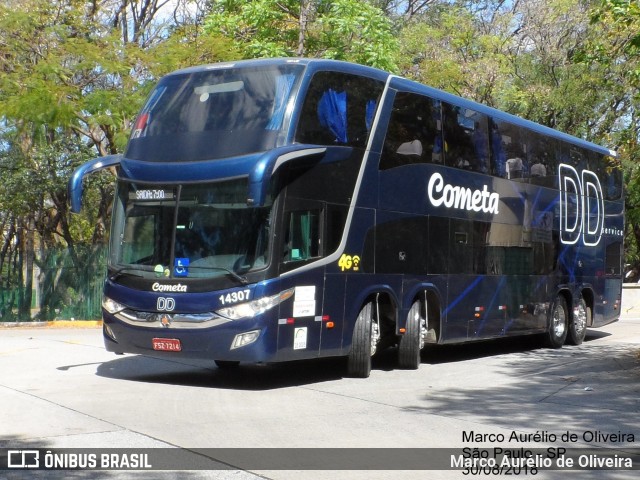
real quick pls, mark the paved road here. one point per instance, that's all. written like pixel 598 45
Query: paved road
pixel 60 389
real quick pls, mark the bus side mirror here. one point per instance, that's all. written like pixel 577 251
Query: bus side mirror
pixel 75 187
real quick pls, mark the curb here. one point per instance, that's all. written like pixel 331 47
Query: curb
pixel 54 324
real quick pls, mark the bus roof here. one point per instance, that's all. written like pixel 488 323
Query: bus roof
pixel 314 65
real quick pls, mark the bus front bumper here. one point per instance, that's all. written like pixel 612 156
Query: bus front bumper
pixel 239 340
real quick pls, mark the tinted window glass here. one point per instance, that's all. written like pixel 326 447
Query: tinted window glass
pixel 543 157
pixel 212 114
pixel 508 151
pixel 195 231
pixel 468 246
pixel 303 235
pixel 466 138
pixel 338 109
pixel 613 259
pixel 414 134
pixel 609 173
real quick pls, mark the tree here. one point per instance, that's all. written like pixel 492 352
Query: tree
pixel 352 30
pixel 74 75
pixel 450 48
pixel 615 49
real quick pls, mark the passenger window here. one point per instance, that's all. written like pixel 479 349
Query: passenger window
pixel 508 151
pixel 302 235
pixel 338 110
pixel 578 158
pixel 414 134
pixel 543 158
pixel 466 138
pixel 611 177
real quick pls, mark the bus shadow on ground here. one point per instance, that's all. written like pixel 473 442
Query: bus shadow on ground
pixel 257 377
pixel 250 377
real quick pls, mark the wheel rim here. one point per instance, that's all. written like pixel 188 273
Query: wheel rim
pixel 580 319
pixel 422 326
pixel 375 336
pixel 559 321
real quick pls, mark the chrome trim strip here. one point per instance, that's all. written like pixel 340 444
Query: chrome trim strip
pixel 171 320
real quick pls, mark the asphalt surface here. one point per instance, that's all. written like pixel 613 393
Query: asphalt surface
pixel 60 389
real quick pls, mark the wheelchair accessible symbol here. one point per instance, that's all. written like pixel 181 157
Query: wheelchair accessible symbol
pixel 181 267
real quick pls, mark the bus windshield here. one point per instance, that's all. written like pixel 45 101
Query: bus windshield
pixel 213 113
pixel 191 231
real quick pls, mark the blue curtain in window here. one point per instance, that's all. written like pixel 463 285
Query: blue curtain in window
pixel 332 113
pixel 371 109
pixel 283 88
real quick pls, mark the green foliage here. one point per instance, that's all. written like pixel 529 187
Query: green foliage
pixel 357 31
pixel 351 30
pixel 70 87
pixel 263 28
pixel 448 49
pixel 614 48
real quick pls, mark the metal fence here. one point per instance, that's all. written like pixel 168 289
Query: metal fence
pixel 67 285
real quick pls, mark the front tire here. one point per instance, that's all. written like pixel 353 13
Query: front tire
pixel 363 344
pixel 578 327
pixel 225 364
pixel 412 342
pixel 558 323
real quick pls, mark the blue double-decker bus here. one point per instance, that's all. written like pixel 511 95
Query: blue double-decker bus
pixel 285 209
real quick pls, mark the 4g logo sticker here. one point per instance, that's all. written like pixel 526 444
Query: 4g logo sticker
pixel 349 262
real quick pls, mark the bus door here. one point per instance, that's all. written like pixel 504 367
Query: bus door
pixel 300 319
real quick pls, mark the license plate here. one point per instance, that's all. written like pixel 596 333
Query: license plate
pixel 166 344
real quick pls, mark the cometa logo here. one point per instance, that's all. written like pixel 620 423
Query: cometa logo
pixel 453 196
pixel 158 287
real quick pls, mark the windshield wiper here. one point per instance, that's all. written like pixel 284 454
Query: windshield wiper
pixel 231 273
pixel 234 275
pixel 121 271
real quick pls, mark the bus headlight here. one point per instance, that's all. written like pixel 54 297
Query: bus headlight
pixel 254 307
pixel 112 306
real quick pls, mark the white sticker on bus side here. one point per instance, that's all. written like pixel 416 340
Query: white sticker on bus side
pixel 304 308
pixel 300 338
pixel 305 293
pixel 304 301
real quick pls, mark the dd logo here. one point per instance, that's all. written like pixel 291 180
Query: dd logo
pixel 165 304
pixel 581 206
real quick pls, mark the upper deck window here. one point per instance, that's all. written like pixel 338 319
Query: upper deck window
pixel 338 109
pixel 414 134
pixel 212 114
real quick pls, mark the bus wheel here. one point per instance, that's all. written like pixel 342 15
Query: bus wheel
pixel 558 323
pixel 413 340
pixel 364 343
pixel 578 326
pixel 226 363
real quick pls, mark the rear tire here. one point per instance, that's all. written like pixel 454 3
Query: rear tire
pixel 412 342
pixel 558 323
pixel 578 327
pixel 359 361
